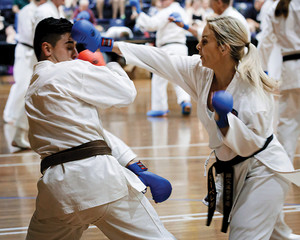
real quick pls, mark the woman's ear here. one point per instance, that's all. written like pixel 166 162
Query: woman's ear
pixel 224 48
pixel 46 49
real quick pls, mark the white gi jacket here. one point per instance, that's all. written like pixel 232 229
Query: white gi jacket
pixel 46 10
pixel 23 65
pixel 286 33
pixel 62 104
pixel 166 31
pixel 247 132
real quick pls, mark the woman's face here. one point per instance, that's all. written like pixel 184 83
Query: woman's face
pixel 210 52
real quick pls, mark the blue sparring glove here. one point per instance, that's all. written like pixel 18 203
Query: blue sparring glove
pixel 222 102
pixel 85 33
pixel 177 18
pixel 82 15
pixel 160 187
pixel 136 4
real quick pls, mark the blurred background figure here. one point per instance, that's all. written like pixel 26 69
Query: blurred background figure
pixel 7 31
pixel 118 8
pixel 19 4
pixel 117 32
pixel 198 11
pixel 282 26
pixel 252 15
pixel 171 39
pixel 25 59
pixel 83 8
pixel 224 8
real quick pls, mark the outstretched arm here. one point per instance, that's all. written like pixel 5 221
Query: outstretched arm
pixel 176 18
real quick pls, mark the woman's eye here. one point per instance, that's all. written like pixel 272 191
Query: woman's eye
pixel 204 42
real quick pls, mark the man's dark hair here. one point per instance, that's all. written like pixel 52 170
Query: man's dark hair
pixel 50 30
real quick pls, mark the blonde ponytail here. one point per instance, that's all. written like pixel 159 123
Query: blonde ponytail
pixel 250 70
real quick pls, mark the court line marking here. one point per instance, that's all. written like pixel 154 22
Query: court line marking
pixel 140 158
pixel 164 219
pixel 134 148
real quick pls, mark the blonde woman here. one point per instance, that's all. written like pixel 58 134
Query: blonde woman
pixel 244 144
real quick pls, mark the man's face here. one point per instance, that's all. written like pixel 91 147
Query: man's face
pixel 64 50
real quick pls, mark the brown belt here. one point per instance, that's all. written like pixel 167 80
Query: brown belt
pixel 225 167
pixel 90 149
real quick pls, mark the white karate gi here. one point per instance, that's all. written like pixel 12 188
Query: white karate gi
pixel 23 67
pixel 172 39
pixel 259 192
pixel 62 104
pixel 275 60
pixel 25 59
pixel 46 10
pixel 286 32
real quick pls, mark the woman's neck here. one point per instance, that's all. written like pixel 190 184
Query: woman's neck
pixel 224 75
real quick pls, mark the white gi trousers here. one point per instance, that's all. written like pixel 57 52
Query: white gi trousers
pixel 23 68
pixel 257 213
pixel 159 94
pixel 289 120
pixel 288 129
pixel 122 219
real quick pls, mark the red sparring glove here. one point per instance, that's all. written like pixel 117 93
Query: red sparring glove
pixel 95 58
pixel 160 187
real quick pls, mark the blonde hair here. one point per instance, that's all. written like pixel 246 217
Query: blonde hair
pixel 231 32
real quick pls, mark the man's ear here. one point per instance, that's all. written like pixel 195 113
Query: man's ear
pixel 46 49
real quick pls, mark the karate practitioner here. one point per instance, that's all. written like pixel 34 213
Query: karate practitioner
pixel 23 67
pixel 88 175
pixel 247 152
pixel 14 110
pixel 285 30
pixel 171 39
pixel 223 8
pixel 52 8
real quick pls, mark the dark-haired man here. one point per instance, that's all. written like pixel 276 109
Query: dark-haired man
pixel 85 179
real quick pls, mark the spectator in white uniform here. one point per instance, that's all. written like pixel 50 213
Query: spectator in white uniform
pixel 282 26
pixel 23 67
pixel 52 8
pixel 249 156
pixel 221 8
pixel 85 179
pixel 171 39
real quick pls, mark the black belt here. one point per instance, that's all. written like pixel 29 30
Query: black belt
pixel 291 57
pixel 225 167
pixel 25 44
pixel 172 43
pixel 90 149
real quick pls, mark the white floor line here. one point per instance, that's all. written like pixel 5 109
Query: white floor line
pixel 140 158
pixel 164 219
pixel 134 148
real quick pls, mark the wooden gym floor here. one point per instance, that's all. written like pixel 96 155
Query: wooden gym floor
pixel 174 147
